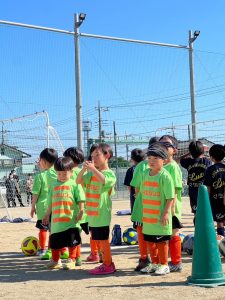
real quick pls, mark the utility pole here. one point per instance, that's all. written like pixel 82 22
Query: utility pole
pixel 115 145
pixel 78 20
pixel 127 151
pixel 192 38
pixel 100 109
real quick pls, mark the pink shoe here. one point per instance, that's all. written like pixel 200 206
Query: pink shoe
pixel 103 270
pixel 93 258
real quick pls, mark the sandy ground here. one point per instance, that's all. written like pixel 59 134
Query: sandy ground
pixel 25 277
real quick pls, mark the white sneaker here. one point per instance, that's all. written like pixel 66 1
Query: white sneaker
pixel 151 268
pixel 162 270
pixel 54 265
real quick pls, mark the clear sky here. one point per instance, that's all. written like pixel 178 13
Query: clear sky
pixel 144 88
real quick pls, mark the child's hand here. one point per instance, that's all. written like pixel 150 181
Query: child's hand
pixel 79 216
pixel 90 165
pixel 32 212
pixel 45 220
pixel 165 219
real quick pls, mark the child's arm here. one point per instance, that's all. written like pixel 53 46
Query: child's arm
pixel 81 208
pixel 45 220
pixel 174 203
pixel 79 179
pixel 165 215
pixel 33 205
pixel 91 167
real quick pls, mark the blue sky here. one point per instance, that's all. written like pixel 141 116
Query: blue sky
pixel 144 88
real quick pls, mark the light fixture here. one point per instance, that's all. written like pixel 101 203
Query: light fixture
pixel 195 35
pixel 82 17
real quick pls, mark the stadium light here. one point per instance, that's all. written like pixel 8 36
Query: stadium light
pixel 81 19
pixel 194 37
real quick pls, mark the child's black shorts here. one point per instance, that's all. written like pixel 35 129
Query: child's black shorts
pixel 42 226
pixel 156 238
pixel 176 224
pixel 99 233
pixel 69 238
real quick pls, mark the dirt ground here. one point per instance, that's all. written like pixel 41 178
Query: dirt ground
pixel 25 277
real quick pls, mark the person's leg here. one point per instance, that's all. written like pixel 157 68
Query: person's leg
pixel 220 228
pixel 163 267
pixel 55 262
pixel 106 252
pixel 142 245
pixel 175 247
pixel 43 237
pixel 19 199
pixel 95 247
pixel 108 266
pixel 153 250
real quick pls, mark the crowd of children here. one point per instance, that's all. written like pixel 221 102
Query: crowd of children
pixel 68 199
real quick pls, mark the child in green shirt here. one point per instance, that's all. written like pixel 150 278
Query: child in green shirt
pixel 170 142
pixel 99 182
pixel 65 205
pixel 77 155
pixel 42 181
pixel 157 191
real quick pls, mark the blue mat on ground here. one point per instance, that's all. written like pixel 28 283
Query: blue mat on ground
pixel 5 219
pixel 123 212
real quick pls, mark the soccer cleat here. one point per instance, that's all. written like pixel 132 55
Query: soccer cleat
pixel 93 258
pixel 142 264
pixel 54 265
pixel 175 268
pixel 150 268
pixel 47 255
pixel 103 270
pixel 64 255
pixel 41 252
pixel 162 270
pixel 69 265
pixel 78 262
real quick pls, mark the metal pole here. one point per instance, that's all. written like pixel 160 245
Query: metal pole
pixel 127 151
pixel 48 126
pixel 78 84
pixel 192 86
pixel 115 147
pixel 99 122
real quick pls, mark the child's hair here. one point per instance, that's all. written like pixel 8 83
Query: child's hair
pixel 76 154
pixel 196 149
pixel 104 148
pixel 49 154
pixel 172 138
pixel 137 155
pixel 64 164
pixel 217 152
pixel 159 150
pixel 152 140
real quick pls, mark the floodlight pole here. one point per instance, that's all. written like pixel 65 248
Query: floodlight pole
pixel 192 86
pixel 77 24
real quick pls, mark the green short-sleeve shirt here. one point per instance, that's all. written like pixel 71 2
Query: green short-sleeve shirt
pixel 136 182
pixel 42 183
pixel 156 191
pixel 98 198
pixel 176 174
pixel 64 198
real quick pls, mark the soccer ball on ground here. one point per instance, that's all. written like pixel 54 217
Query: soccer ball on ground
pixel 222 247
pixel 188 244
pixel 30 246
pixel 130 236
